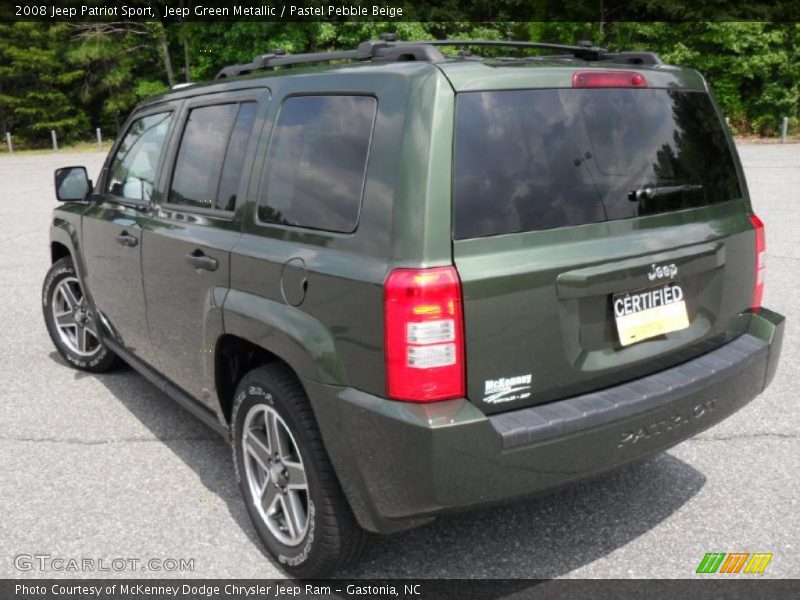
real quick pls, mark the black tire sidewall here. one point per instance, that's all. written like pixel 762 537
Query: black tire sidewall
pixel 255 390
pixel 60 270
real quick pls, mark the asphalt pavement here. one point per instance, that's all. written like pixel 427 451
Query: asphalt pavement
pixel 107 467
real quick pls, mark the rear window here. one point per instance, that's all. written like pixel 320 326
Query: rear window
pixel 539 159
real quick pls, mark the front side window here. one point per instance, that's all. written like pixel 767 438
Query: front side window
pixel 211 155
pixel 317 162
pixel 132 173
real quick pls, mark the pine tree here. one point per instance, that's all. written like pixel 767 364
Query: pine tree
pixel 37 84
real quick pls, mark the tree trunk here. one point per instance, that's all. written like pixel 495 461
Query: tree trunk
pixel 165 55
pixel 186 58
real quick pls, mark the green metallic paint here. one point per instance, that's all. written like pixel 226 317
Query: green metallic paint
pixel 534 302
pixel 66 230
pixel 113 271
pixel 185 303
pixel 421 212
pixel 769 326
pixel 554 286
pixel 398 224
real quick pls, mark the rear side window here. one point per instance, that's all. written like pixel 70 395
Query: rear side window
pixel 132 173
pixel 317 162
pixel 540 159
pixel 211 155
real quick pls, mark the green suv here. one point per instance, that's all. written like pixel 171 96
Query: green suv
pixel 408 283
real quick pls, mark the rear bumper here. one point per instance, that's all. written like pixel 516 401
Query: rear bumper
pixel 401 464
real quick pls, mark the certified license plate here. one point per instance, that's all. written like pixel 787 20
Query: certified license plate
pixel 648 313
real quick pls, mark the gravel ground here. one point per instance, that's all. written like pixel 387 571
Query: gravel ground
pixel 107 466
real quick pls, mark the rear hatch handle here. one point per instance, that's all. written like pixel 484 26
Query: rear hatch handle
pixel 632 273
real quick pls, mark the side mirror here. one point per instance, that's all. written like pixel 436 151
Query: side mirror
pixel 72 184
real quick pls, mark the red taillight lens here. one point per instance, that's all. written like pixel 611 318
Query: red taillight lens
pixel 608 79
pixel 761 261
pixel 424 334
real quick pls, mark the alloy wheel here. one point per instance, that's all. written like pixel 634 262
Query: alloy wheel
pixel 275 475
pixel 73 318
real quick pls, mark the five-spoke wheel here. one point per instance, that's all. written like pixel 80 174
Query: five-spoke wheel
pixel 73 318
pixel 71 321
pixel 290 489
pixel 275 474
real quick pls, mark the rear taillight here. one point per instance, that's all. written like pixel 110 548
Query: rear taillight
pixel 608 79
pixel 424 334
pixel 761 257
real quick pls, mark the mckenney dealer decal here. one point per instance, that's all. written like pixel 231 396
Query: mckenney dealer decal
pixel 507 389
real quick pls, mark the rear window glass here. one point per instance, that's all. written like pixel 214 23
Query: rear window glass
pixel 539 159
pixel 318 162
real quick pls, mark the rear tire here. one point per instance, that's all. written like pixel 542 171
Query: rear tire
pixel 310 531
pixel 70 321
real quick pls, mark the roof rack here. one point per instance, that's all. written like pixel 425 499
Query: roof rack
pixel 584 50
pixel 385 50
pixel 389 49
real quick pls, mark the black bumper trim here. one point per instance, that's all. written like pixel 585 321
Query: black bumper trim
pixel 563 417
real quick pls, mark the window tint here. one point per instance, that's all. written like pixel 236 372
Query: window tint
pixel 317 162
pixel 202 152
pixel 133 170
pixel 539 159
pixel 234 158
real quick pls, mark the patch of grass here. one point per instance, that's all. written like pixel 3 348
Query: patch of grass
pixel 77 147
pixel 755 139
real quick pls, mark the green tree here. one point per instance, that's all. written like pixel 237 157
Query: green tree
pixel 37 84
pixel 122 64
pixel 753 67
pixel 76 77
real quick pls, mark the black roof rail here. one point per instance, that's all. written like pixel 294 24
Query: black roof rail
pixel 279 58
pixel 385 50
pixel 390 49
pixel 585 50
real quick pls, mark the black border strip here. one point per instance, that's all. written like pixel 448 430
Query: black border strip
pixel 399 10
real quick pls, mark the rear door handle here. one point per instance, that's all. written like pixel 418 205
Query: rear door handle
pixel 126 239
pixel 200 261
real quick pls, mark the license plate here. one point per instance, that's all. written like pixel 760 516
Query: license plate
pixel 648 313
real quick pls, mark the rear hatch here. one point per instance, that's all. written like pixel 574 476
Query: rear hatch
pixel 600 234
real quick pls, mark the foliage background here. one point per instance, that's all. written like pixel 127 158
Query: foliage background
pixel 75 77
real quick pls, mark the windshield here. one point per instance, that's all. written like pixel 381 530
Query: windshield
pixel 540 159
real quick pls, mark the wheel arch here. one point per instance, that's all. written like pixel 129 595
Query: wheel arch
pixel 234 357
pixel 65 241
pixel 295 336
pixel 58 251
pixel 249 343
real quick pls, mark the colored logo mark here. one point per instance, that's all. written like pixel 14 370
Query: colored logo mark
pixel 734 562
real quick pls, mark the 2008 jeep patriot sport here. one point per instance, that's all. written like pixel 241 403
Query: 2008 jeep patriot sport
pixel 409 283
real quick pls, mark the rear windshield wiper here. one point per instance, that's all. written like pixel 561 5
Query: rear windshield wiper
pixel 650 192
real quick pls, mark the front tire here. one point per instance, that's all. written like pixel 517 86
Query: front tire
pixel 289 487
pixel 70 321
